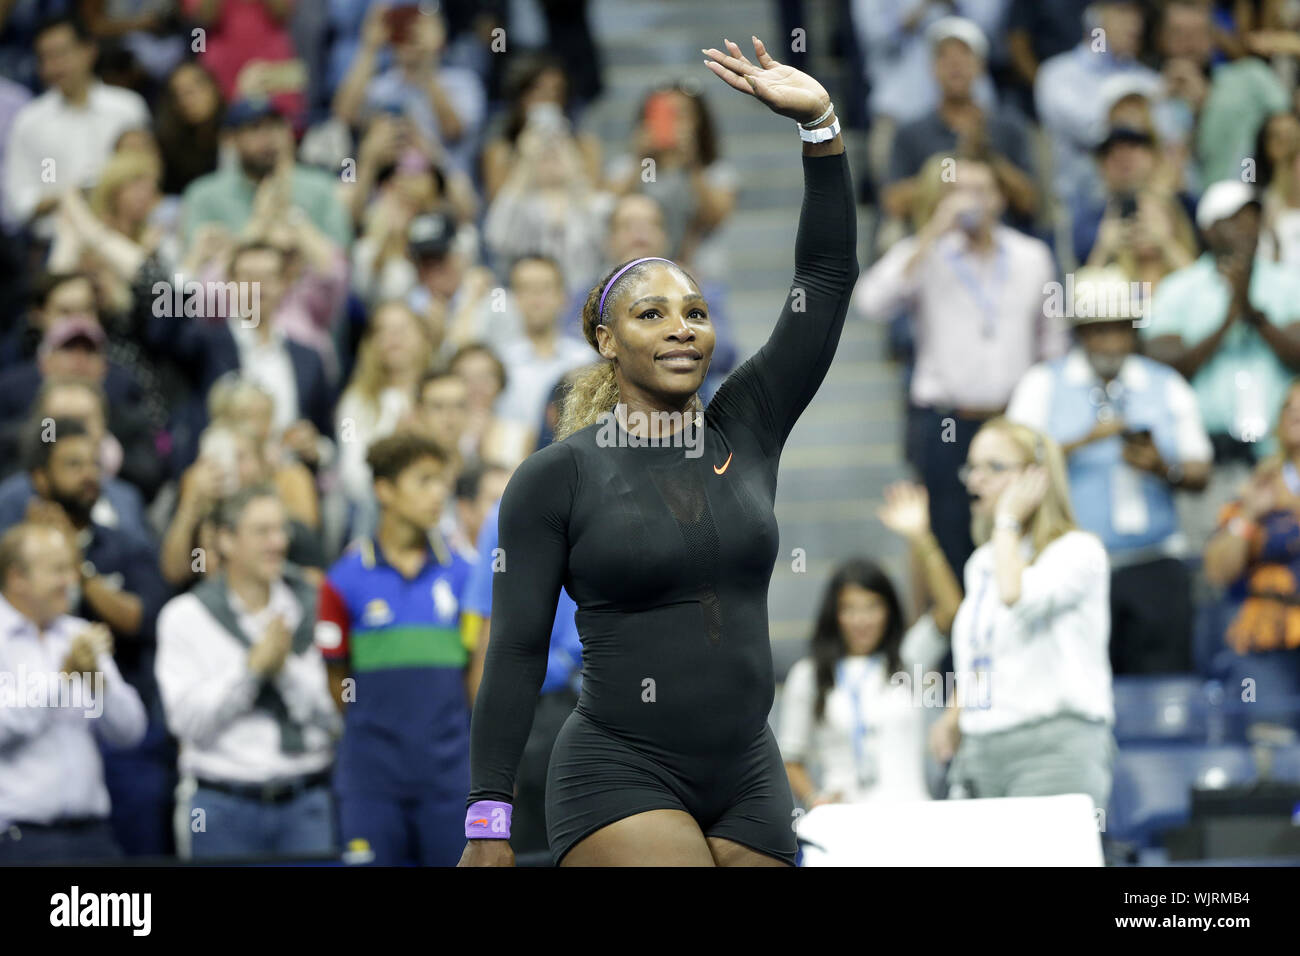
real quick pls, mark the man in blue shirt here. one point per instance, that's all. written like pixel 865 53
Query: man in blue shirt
pixel 558 696
pixel 1132 434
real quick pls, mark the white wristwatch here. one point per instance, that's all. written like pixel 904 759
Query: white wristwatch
pixel 819 135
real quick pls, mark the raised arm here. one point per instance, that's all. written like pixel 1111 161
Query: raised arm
pixel 772 388
pixel 534 538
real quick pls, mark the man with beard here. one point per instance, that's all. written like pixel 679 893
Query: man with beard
pixel 266 175
pixel 118 585
pixel 1132 434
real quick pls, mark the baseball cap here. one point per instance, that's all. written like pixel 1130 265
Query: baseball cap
pixel 71 328
pixel 1223 200
pixel 958 28
pixel 431 234
pixel 1123 85
pixel 1124 134
pixel 248 110
pixel 1109 293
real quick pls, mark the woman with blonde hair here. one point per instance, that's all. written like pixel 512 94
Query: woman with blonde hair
pixel 1034 707
pixel 392 356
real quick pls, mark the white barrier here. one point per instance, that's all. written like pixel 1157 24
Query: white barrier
pixel 1010 831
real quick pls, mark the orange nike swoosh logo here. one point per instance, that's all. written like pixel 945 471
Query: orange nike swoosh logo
pixel 725 465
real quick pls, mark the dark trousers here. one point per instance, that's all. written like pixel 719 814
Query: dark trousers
pixel 83 842
pixel 1151 618
pixel 528 815
pixel 942 442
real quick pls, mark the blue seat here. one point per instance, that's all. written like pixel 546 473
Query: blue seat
pixel 1152 788
pixel 1164 709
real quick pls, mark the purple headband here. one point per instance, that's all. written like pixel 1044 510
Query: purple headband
pixel 610 284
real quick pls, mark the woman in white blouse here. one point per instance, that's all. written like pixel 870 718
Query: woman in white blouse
pixel 846 717
pixel 393 355
pixel 1034 711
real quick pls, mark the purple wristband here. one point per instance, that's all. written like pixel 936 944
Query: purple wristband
pixel 488 820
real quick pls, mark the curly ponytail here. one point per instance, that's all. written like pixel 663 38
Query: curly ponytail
pixel 594 391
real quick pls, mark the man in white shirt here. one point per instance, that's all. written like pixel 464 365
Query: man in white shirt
pixel 59 691
pixel 61 139
pixel 543 355
pixel 245 692
pixel 976 290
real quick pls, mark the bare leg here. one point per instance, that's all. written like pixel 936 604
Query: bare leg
pixel 730 853
pixel 653 838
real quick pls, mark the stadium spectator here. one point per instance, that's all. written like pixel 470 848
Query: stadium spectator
pixel 188 124
pixel 1136 223
pixel 1252 555
pixel 897 50
pixel 677 135
pixel 446 102
pixel 389 618
pixel 850 729
pixel 1224 104
pixel 537 89
pixel 1068 87
pixel 246 694
pixel 477 490
pixel 441 412
pixel 69 130
pixel 1277 153
pixel 1035 709
pixel 265 172
pixel 249 51
pixel 541 357
pixel 1036 32
pixel 486 435
pixel 1132 435
pixel 393 356
pixel 242 405
pixel 120 503
pixel 54 805
pixel 118 585
pixel 1230 324
pixel 976 288
pixel 228 461
pixel 74 347
pixel 548 204
pixel 959 125
pixel 248 338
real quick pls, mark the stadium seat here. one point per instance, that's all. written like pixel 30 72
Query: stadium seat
pixel 1152 788
pixel 1170 709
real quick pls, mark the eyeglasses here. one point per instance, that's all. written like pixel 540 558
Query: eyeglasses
pixel 997 467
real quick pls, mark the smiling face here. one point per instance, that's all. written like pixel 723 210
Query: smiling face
pixel 658 333
pixel 257 545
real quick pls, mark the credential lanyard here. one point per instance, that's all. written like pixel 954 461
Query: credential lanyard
pixel 987 300
pixel 861 759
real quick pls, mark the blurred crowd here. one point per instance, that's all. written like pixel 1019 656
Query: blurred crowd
pixel 247 242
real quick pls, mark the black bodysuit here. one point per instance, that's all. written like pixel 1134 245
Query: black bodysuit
pixel 669 558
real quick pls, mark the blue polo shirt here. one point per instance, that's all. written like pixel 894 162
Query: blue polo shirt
pixel 564 660
pixel 406 733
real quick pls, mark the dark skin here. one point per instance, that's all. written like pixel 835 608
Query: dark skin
pixel 1232 241
pixel 659 313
